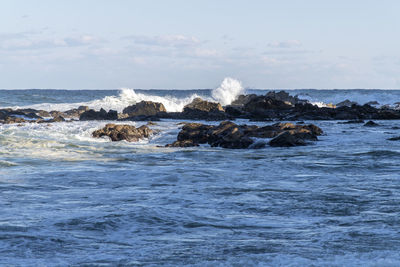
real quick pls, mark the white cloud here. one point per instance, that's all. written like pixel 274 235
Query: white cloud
pixel 164 40
pixel 285 44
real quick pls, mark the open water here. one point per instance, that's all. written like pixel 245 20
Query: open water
pixel 69 199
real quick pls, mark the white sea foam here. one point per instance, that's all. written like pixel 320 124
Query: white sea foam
pixel 224 94
pixel 228 91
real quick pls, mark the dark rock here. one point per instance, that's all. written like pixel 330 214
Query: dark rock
pixel 74 113
pixel 196 132
pixel 285 97
pixel 203 110
pixel 371 124
pixel 372 103
pixel 346 103
pixel 183 143
pixel 265 106
pixel 287 139
pixel 230 135
pixel 98 115
pixel 242 100
pixel 144 108
pixel 123 132
pixel 396 138
pixel 351 122
pixel 57 119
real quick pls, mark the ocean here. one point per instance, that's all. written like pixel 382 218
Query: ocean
pixel 67 199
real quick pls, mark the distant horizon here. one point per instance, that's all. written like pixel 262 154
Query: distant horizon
pixel 193 89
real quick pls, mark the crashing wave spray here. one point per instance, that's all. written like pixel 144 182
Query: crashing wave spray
pixel 228 91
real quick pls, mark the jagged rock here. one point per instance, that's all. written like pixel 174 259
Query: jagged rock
pixel 202 105
pixel 265 106
pixel 242 100
pixel 74 113
pixel 204 110
pixel 183 143
pixel 287 139
pixel 144 108
pixel 230 135
pixel 98 115
pixel 373 103
pixel 371 124
pixel 196 132
pixel 118 132
pixel 346 103
pixel 285 97
pixel 57 119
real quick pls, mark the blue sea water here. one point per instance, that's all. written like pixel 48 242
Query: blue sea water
pixel 69 199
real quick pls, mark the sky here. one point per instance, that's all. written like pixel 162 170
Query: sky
pixel 185 44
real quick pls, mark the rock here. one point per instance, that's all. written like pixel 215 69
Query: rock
pixel 372 103
pixel 287 139
pixel 57 119
pixel 242 100
pixel 285 97
pixel 203 110
pixel 118 132
pixel 144 108
pixel 98 115
pixel 346 103
pixel 263 106
pixel 230 135
pixel 10 120
pixel 183 143
pixel 371 124
pixel 351 122
pixel 196 132
pixel 74 113
pixel 396 138
pixel 202 105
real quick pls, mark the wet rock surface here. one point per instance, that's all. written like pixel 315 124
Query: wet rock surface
pixel 230 135
pixel 98 115
pixel 145 109
pixel 118 132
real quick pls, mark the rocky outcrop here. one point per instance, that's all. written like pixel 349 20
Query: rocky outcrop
pixel 203 110
pixel 144 108
pixel 74 113
pixel 118 132
pixel 98 115
pixel 346 103
pixel 230 135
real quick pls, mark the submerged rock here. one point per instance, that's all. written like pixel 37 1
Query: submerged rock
pixel 371 124
pixel 118 132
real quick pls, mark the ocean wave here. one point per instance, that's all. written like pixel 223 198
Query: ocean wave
pixel 228 91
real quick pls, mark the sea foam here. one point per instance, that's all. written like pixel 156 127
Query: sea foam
pixel 224 94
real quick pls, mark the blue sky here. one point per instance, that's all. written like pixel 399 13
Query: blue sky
pixel 195 44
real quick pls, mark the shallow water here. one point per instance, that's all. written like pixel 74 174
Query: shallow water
pixel 69 199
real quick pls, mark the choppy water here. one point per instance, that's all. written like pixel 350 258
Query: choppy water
pixel 69 199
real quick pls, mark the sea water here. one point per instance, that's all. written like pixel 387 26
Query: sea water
pixel 69 199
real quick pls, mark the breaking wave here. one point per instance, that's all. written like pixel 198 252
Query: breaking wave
pixel 228 91
pixel 224 94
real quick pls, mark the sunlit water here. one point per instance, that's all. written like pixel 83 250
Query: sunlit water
pixel 69 199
